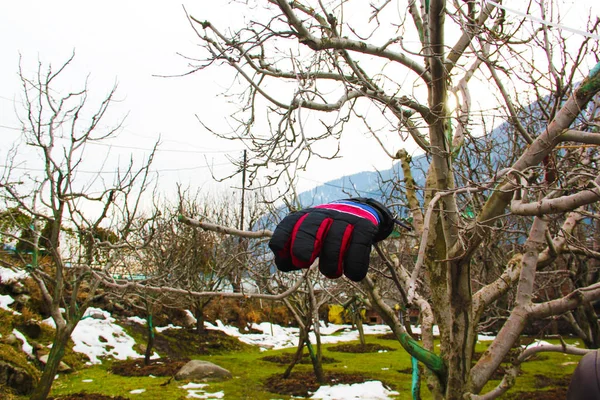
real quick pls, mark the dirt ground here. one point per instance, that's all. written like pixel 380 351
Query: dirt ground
pixel 392 336
pixel 158 367
pixel 287 358
pixel 360 348
pixel 553 394
pixel 185 343
pixel 301 383
pixel 559 391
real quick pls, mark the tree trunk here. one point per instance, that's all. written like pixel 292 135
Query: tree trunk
pixel 315 357
pixel 586 318
pixel 585 315
pixel 199 315
pixel 297 356
pixel 463 337
pixel 450 285
pixel 57 352
pixel 150 344
pixel 360 328
pixel 592 319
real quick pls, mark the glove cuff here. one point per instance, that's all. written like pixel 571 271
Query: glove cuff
pixel 386 219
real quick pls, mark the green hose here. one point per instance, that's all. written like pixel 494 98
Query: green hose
pixel 431 360
pixel 415 379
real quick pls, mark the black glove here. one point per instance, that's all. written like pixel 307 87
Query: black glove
pixel 339 233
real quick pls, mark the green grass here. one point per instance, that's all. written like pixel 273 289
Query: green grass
pixel 552 366
pixel 101 380
pixel 249 373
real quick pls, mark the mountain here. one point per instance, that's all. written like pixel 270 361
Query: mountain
pixel 374 184
pixel 484 156
pixel 496 148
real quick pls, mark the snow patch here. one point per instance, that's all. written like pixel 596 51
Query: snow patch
pixel 279 337
pixel 537 343
pixel 372 390
pixel 196 391
pixel 10 276
pixel 137 320
pixel 193 385
pixel 27 348
pixel 102 338
pixel 164 328
pixel 5 302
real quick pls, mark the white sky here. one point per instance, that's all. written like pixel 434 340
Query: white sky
pixel 130 41
pixel 125 42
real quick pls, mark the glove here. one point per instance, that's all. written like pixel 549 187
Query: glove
pixel 340 233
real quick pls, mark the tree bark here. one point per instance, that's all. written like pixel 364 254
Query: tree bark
pixel 61 338
pixel 297 356
pixel 360 328
pixel 150 343
pixel 510 332
pixel 315 356
pixel 199 315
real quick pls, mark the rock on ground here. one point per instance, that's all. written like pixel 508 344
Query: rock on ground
pixel 16 378
pixel 199 370
pixel 62 367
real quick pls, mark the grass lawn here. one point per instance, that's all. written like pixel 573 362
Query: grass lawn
pixel 250 372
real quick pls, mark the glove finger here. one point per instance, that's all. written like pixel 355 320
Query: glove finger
pixel 281 240
pixel 358 254
pixel 331 261
pixel 307 237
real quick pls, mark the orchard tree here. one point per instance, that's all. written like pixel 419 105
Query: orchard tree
pixel 66 213
pixel 436 74
pixel 183 257
pixel 304 305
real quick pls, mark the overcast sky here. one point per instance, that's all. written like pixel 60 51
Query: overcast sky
pixel 129 42
pixel 123 42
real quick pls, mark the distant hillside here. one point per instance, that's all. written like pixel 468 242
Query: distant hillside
pixel 501 147
pixel 500 144
pixel 373 184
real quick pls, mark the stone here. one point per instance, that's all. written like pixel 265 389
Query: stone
pixel 11 340
pixel 99 316
pixel 39 348
pixel 200 370
pixel 18 288
pixel 189 320
pixel 16 378
pixel 21 300
pixel 31 328
pixel 62 367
